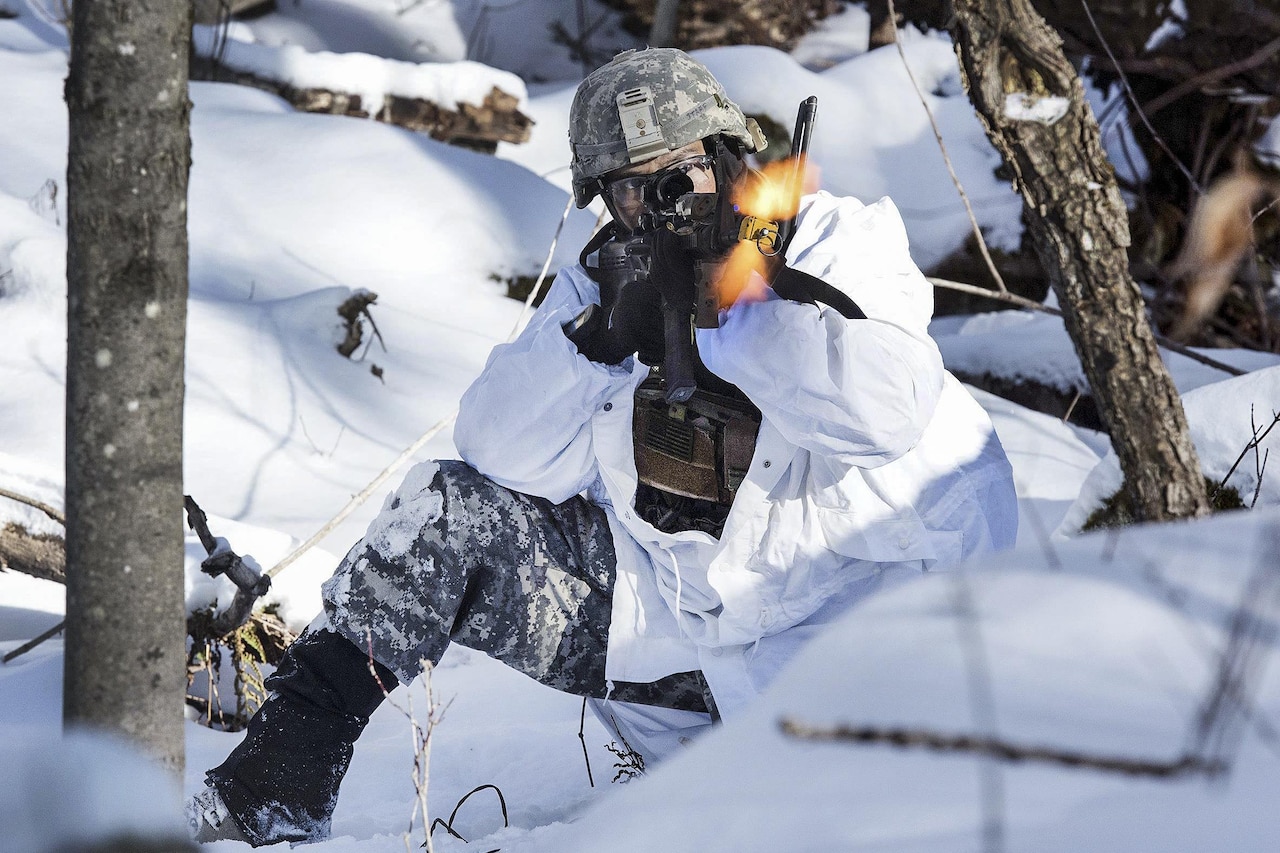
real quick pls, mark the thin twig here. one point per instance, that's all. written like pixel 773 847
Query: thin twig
pixel 1176 597
pixel 1071 407
pixel 946 157
pixel 1248 641
pixel 1137 107
pixel 1032 305
pixel 364 494
pixel 542 276
pixel 422 735
pixel 53 513
pixel 1270 205
pixel 1186 87
pixel 31 644
pixel 1001 750
pixel 1261 469
pixel 1253 443
pixel 582 724
pixel 376 334
pixel 983 704
pixel 997 295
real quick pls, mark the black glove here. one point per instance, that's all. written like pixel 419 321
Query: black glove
pixel 633 324
pixel 672 269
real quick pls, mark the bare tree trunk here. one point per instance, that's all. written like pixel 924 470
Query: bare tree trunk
pixel 1032 104
pixel 127 169
pixel 663 32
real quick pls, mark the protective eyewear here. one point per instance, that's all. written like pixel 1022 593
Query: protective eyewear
pixel 628 198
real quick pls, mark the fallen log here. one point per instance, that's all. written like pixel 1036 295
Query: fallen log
pixel 431 98
pixel 41 555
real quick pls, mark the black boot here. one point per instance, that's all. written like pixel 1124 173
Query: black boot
pixel 281 782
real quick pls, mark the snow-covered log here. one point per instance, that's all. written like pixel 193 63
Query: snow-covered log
pixel 40 555
pixel 464 103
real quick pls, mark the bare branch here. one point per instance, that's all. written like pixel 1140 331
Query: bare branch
pixel 1137 107
pixel 1254 441
pixel 1186 87
pixel 1002 750
pixel 31 644
pixel 946 157
pixel 582 737
pixel 1249 640
pixel 983 704
pixel 1032 305
pixel 52 512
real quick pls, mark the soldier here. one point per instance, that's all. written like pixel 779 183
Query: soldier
pixel 662 551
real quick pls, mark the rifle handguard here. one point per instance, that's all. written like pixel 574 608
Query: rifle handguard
pixel 677 365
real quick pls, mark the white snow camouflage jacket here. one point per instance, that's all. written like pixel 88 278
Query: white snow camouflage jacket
pixel 872 462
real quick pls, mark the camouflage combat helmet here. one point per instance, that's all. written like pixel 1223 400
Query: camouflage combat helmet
pixel 645 103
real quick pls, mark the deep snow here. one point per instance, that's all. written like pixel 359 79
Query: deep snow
pixel 1106 643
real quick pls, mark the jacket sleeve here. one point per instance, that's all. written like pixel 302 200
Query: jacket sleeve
pixel 862 391
pixel 525 422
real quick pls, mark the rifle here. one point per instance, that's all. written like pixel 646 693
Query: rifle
pixel 711 226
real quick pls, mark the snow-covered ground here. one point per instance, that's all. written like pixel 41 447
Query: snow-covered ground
pixel 1106 644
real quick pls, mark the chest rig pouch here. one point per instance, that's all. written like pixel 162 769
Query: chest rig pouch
pixel 698 449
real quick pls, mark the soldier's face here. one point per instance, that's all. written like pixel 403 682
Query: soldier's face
pixel 624 188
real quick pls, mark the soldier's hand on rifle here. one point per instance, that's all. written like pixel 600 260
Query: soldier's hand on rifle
pixel 632 324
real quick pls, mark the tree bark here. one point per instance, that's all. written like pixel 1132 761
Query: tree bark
pixel 127 171
pixel 1032 104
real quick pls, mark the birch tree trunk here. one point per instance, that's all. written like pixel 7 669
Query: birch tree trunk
pixel 1032 103
pixel 127 170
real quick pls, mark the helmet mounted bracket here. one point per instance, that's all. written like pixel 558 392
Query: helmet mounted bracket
pixel 639 119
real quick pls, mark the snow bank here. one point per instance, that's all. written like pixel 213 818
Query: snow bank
pixel 1090 648
pixel 66 793
pixel 1223 417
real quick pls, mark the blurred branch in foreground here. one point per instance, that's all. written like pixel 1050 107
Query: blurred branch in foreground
pixel 1002 750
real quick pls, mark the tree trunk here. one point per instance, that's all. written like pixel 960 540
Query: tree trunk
pixel 663 31
pixel 1033 107
pixel 127 169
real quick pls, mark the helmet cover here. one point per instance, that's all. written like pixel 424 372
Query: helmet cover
pixel 643 104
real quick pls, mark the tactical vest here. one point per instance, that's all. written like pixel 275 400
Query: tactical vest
pixel 700 448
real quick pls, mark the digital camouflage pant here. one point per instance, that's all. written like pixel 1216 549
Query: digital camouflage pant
pixel 453 557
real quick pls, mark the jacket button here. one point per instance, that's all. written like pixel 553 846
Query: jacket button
pixel 767 463
pixel 608 407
